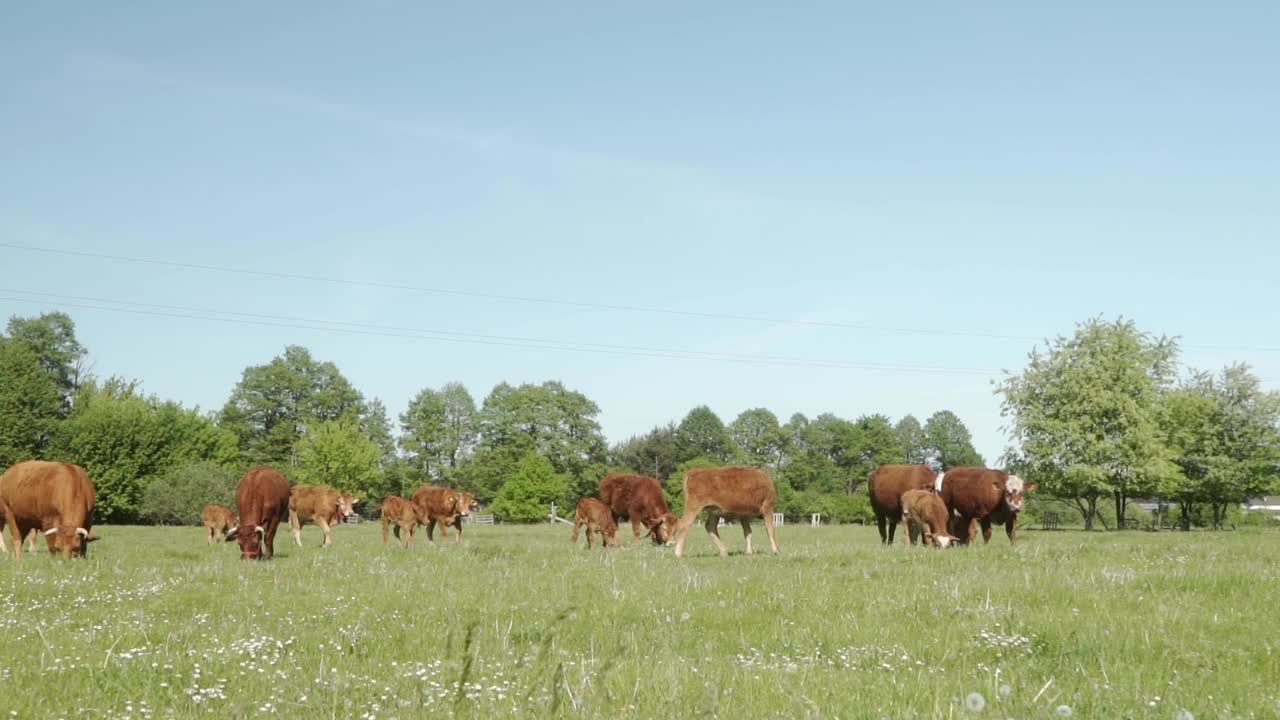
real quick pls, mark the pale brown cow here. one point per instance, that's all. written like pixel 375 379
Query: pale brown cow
pixel 439 505
pixel 400 513
pixel 598 519
pixel 219 522
pixel 886 485
pixel 262 501
pixel 924 510
pixel 734 493
pixel 982 496
pixel 469 504
pixel 321 505
pixel 56 498
pixel 638 498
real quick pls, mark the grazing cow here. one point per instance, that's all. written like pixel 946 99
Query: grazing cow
pixel 735 493
pixel 56 498
pixel 598 518
pixel 924 510
pixel 886 485
pixel 639 498
pixel 469 504
pixel 439 505
pixel 403 515
pixel 983 496
pixel 262 500
pixel 219 522
pixel 321 505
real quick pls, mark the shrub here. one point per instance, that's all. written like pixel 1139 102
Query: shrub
pixel 528 495
pixel 178 496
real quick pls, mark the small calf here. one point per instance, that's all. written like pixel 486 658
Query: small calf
pixel 923 509
pixel 598 519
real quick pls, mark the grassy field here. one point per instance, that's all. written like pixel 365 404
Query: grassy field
pixel 516 622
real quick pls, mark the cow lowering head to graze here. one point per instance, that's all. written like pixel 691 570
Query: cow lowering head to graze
pixel 262 501
pixel 598 518
pixel 734 493
pixel 924 510
pixel 469 504
pixel 886 484
pixel 638 498
pixel 439 505
pixel 982 496
pixel 52 497
pixel 219 522
pixel 321 505
pixel 400 513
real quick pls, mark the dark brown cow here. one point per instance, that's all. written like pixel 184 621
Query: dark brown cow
pixel 219 522
pixel 983 496
pixel 439 505
pixel 321 505
pixel 598 518
pixel 403 515
pixel 924 510
pixel 56 498
pixel 734 493
pixel 639 499
pixel 886 485
pixel 469 505
pixel 262 500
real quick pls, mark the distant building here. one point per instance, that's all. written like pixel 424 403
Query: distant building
pixel 1269 504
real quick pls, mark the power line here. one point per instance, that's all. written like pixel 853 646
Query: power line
pixel 291 322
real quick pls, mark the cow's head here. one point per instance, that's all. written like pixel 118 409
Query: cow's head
pixel 663 529
pixel 230 533
pixel 250 537
pixel 468 504
pixel 1014 489
pixel 71 541
pixel 944 540
pixel 346 506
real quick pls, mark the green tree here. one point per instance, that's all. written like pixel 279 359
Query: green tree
pixel 948 443
pixel 31 403
pixel 124 441
pixel 914 442
pixel 376 426
pixel 760 438
pixel 177 496
pixel 1085 414
pixel 551 420
pixel 439 430
pixel 703 434
pixel 271 406
pixel 528 495
pixel 877 444
pixel 52 337
pixel 338 454
pixel 485 471
pixel 654 454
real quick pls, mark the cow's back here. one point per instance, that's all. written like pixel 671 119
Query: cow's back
pixel 734 489
pixel 887 483
pixel 973 491
pixel 37 491
pixel 263 493
pixel 433 501
pixel 313 501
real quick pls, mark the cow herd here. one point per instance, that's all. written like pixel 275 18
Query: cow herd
pixel 58 500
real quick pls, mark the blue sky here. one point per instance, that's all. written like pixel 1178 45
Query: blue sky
pixel 986 169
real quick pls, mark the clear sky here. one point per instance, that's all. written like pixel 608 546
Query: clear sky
pixel 974 169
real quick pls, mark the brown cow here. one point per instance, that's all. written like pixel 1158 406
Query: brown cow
pixel 262 500
pixel 469 504
pixel 886 485
pixel 639 498
pixel 401 513
pixel 735 493
pixel 321 505
pixel 219 522
pixel 597 517
pixel 983 496
pixel 439 505
pixel 31 538
pixel 924 510
pixel 54 497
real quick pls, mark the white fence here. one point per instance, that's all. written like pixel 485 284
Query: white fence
pixel 480 519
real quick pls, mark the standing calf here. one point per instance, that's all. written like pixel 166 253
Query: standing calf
pixel 401 513
pixel 219 522
pixel 597 517
pixel 735 493
pixel 926 511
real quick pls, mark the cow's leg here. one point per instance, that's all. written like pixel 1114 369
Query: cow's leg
pixel 295 526
pixel 635 529
pixel 577 523
pixel 746 532
pixel 431 529
pixel 1011 528
pixel 386 524
pixel 457 525
pixel 3 547
pixel 328 532
pixel 768 528
pixel 882 523
pixel 713 529
pixel 682 527
pixel 986 530
pixel 31 541
pixel 268 550
pixel 893 526
pixel 17 534
pixel 409 539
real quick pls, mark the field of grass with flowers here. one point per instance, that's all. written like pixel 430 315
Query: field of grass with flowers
pixel 517 622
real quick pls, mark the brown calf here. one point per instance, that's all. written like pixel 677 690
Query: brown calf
pixel 981 496
pixel 403 515
pixel 735 493
pixel 886 484
pixel 321 505
pixel 924 510
pixel 219 522
pixel 597 517
pixel 439 505
pixel 639 498
pixel 262 500
pixel 56 498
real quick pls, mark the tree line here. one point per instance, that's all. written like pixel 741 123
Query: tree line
pixel 1104 415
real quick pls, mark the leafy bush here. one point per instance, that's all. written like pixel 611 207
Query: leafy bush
pixel 178 496
pixel 528 494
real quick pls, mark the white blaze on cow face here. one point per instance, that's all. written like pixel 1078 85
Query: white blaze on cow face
pixel 1013 490
pixel 937 483
pixel 942 541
